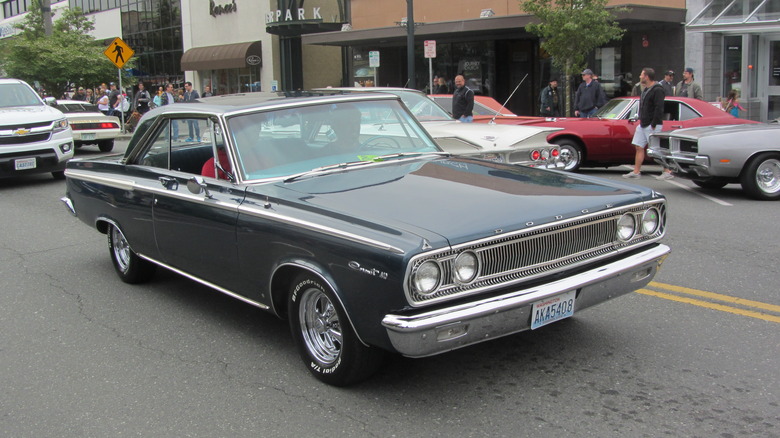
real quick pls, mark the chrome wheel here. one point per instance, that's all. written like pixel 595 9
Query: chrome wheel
pixel 571 156
pixel 768 176
pixel 320 326
pixel 121 249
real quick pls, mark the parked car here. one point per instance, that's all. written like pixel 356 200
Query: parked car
pixel 89 124
pixel 34 137
pixel 367 243
pixel 715 156
pixel 605 139
pixel 527 145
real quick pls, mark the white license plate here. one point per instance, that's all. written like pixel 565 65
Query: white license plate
pixel 88 136
pixel 24 163
pixel 552 309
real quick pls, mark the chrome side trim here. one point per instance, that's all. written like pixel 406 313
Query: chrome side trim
pixel 122 184
pixel 206 283
pixel 311 226
pixel 68 203
pixel 417 335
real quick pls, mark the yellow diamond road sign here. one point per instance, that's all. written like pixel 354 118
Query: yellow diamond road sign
pixel 118 52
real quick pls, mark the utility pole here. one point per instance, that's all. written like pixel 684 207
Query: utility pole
pixel 410 42
pixel 46 12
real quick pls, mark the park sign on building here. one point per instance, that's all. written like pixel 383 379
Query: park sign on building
pixel 298 20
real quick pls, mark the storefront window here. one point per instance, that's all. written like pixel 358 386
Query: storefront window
pixel 234 80
pixel 774 62
pixel 732 64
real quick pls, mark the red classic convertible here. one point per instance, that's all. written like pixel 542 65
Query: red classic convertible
pixel 605 139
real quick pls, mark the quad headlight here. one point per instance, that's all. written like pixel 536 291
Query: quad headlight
pixel 427 277
pixel 651 220
pixel 626 227
pixel 466 267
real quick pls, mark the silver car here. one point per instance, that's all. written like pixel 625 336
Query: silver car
pixel 714 156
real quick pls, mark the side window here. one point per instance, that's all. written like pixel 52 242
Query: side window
pixel 671 110
pixel 687 113
pixel 159 153
pixel 632 113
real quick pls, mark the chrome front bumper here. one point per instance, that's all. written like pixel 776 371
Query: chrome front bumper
pixel 697 166
pixel 442 330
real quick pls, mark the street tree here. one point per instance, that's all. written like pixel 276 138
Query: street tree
pixel 70 55
pixel 570 30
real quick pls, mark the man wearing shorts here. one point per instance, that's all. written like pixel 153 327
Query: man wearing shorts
pixel 651 114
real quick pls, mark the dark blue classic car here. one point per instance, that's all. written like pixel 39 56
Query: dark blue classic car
pixel 342 215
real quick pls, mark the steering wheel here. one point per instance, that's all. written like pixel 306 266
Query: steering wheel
pixel 380 142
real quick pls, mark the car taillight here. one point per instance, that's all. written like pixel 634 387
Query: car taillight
pixel 555 153
pixel 536 155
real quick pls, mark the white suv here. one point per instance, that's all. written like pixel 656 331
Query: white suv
pixel 34 137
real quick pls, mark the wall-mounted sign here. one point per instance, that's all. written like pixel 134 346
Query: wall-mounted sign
pixel 254 60
pixel 292 15
pixel 215 9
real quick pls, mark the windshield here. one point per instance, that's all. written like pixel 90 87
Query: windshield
pixel 77 107
pixel 289 141
pixel 614 108
pixel 423 108
pixel 17 95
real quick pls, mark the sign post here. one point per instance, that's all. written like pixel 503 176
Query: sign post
pixel 430 53
pixel 119 53
pixel 373 61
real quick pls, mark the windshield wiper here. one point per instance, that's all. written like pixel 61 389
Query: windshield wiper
pixel 325 168
pixel 407 154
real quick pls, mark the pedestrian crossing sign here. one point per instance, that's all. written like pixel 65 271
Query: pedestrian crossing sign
pixel 118 52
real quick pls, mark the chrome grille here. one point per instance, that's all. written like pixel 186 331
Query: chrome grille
pixel 540 251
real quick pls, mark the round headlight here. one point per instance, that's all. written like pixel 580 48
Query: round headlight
pixel 626 227
pixel 651 219
pixel 466 267
pixel 427 277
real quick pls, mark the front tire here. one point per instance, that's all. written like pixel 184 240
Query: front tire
pixel 571 155
pixel 130 268
pixel 761 177
pixel 326 341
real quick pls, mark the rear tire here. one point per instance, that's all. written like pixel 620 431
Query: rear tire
pixel 106 145
pixel 571 154
pixel 761 177
pixel 60 174
pixel 130 268
pixel 328 345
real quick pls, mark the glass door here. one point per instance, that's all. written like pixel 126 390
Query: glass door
pixel 772 78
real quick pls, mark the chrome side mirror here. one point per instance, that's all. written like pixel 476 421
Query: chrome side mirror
pixel 197 185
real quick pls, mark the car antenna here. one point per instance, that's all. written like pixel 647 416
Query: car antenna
pixel 493 120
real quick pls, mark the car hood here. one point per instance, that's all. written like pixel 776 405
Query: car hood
pixel 28 114
pixel 488 136
pixel 708 131
pixel 452 201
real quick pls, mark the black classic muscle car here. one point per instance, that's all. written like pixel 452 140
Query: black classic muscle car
pixel 341 214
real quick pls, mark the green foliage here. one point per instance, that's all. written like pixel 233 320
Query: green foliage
pixel 571 29
pixel 68 56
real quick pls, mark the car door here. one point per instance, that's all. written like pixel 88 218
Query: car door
pixel 621 131
pixel 195 230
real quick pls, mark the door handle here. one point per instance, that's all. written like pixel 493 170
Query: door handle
pixel 676 126
pixel 168 182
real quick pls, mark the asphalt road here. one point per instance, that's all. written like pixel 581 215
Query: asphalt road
pixel 84 355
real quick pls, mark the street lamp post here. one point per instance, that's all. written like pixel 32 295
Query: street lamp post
pixel 410 42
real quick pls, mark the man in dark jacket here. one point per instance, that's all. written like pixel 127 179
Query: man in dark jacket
pixel 590 96
pixel 462 101
pixel 550 100
pixel 651 116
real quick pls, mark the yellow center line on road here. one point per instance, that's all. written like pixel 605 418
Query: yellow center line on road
pixel 718 297
pixel 709 305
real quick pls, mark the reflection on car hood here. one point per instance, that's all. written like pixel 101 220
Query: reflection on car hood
pixel 708 131
pixel 459 199
pixel 28 114
pixel 488 136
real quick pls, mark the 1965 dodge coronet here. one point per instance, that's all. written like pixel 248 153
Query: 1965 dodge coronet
pixel 367 242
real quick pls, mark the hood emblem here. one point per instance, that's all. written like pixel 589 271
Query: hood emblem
pixel 21 131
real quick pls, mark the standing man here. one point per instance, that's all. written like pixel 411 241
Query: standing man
pixel 550 100
pixel 207 91
pixel 462 101
pixel 687 87
pixel 168 99
pixel 142 99
pixel 589 97
pixel 80 95
pixel 668 83
pixel 114 100
pixel 651 115
pixel 191 95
